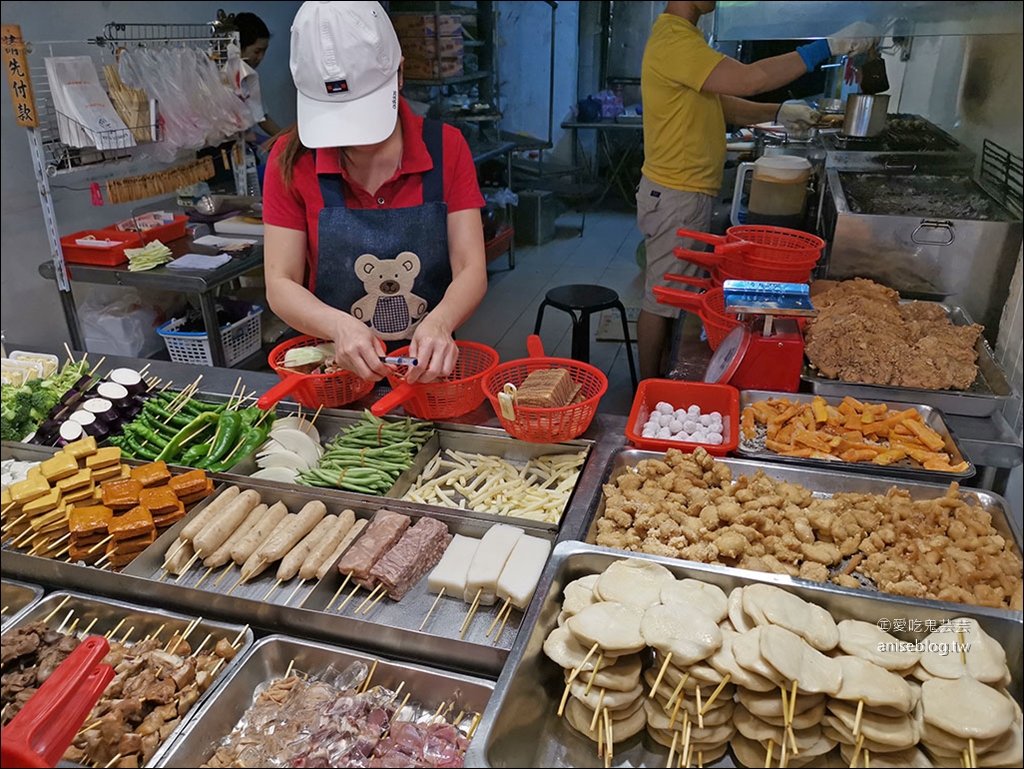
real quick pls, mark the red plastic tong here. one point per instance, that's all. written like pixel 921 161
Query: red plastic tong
pixel 41 732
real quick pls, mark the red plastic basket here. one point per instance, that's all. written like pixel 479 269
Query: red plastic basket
pixel 312 390
pixel 554 425
pixel 165 233
pixel 457 394
pixel 710 306
pixel 756 247
pixel 731 267
pixel 724 399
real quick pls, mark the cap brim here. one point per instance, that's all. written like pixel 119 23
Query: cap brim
pixel 367 120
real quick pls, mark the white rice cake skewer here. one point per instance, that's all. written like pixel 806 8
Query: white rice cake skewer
pixel 450 573
pixel 522 571
pixel 490 558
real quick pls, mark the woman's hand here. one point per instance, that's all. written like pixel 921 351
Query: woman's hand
pixel 433 346
pixel 357 349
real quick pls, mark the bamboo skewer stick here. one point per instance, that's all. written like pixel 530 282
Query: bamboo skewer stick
pixel 60 627
pixel 857 720
pixel 114 760
pixel 89 627
pixel 91 726
pixel 610 738
pixel 970 747
pixel 202 579
pixel 501 627
pixel 597 710
pixel 338 592
pixel 156 635
pixel 469 615
pixel 237 583
pixel 707 703
pixel 856 751
pixel 700 711
pixel 497 616
pixel 291 595
pixel 351 594
pixel 432 606
pixel 672 749
pixel 661 674
pixel 572 677
pixel 231 565
pixel 369 676
pixel 370 597
pixel 59 606
pixel 127 635
pixel 291 665
pixel 184 636
pixel 675 713
pixel 274 587
pixel 188 566
pixel 195 652
pixel 768 754
pixel 117 627
pixel 376 601
pixel 593 677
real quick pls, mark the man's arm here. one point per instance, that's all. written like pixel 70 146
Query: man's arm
pixel 744 112
pixel 731 78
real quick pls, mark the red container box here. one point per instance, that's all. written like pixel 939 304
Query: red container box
pixel 724 399
pixel 165 233
pixel 106 256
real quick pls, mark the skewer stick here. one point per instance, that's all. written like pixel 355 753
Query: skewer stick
pixel 202 579
pixel 311 421
pixel 458 719
pixel 789 719
pixel 432 606
pixel 437 712
pixel 700 711
pixel 398 691
pixel 4 610
pixel 173 551
pixel 188 631
pixel 867 759
pixel 860 715
pixel 965 759
pixel 676 692
pixel 224 573
pixel 239 637
pixel 686 742
pixel 291 595
pixel 501 627
pixel 675 713
pixel 60 553
pixel 156 635
pixel 970 740
pixel 288 672
pixel 572 677
pixel 672 749
pixel 117 627
pixel 366 683
pixel 376 600
pixel 237 583
pixel 593 677
pixel 338 592
pixel 963 654
pixel 469 616
pixel 93 725
pixel 600 743
pixel 352 592
pixel 114 760
pixel 768 755
pixel 856 751
pixel 497 617
pixel 131 630
pixel 92 371
pixel 60 627
pixel 400 707
pixel 610 739
pixel 372 594
pixel 71 358
pixel 597 710
pixel 188 566
pixel 715 693
pixel 270 592
pixel 56 609
pixel 89 627
pixel 661 674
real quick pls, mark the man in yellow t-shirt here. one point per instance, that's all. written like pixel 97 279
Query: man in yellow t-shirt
pixel 689 93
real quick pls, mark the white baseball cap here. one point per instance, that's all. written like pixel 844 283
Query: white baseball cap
pixel 344 59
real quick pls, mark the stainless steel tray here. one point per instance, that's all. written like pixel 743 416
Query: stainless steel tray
pixel 271 658
pixel 828 483
pixel 491 442
pixel 520 726
pixel 16 597
pixel 905 468
pixel 405 616
pixel 989 392
pixel 110 615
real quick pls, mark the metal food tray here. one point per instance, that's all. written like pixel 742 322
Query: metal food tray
pixel 826 483
pixel 145 621
pixel 491 442
pixel 272 657
pixel 520 726
pixel 398 621
pixel 905 468
pixel 988 394
pixel 16 597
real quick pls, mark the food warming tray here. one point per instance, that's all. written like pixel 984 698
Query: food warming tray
pixel 396 621
pixel 145 621
pixel 905 468
pixel 16 598
pixel 826 483
pixel 520 726
pixel 273 656
pixel 988 394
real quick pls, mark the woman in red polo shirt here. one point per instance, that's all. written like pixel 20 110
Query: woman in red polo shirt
pixel 371 214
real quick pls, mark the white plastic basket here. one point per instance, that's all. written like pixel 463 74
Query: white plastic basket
pixel 241 339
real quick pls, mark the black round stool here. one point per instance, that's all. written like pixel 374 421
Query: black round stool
pixel 580 301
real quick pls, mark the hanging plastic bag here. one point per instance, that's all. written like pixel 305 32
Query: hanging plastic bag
pixel 120 321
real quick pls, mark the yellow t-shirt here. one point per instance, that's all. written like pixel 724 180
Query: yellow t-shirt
pixel 684 129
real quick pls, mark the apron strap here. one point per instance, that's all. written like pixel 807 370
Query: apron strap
pixel 433 180
pixel 330 188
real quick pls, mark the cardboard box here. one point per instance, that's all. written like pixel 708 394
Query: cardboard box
pixel 426 47
pixel 426 24
pixel 427 69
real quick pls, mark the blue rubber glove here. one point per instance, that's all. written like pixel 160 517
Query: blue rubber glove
pixel 815 53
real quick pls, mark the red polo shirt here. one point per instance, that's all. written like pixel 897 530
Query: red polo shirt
pixel 298 207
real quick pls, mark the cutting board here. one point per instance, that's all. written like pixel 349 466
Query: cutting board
pixel 239 225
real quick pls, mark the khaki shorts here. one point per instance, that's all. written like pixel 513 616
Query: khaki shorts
pixel 660 212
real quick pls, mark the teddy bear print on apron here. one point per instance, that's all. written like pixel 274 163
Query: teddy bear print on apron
pixel 386 267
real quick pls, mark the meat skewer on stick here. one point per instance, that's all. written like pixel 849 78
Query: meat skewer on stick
pixel 286 536
pixel 375 602
pixel 60 627
pixel 370 597
pixel 366 683
pixel 56 609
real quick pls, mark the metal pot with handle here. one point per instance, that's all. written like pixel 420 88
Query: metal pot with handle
pixel 865 114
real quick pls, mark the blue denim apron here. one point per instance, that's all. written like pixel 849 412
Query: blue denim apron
pixel 386 267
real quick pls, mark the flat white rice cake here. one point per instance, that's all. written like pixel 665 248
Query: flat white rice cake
pixel 562 648
pixel 796 660
pixel 579 594
pixel 746 648
pixel 633 582
pixel 620 675
pixel 614 627
pixel 579 717
pixel 769 704
pixel 986 660
pixel 966 708
pixel 867 641
pixel 876 686
pixel 767 604
pixel 677 629
pixel 724 662
pixel 704 596
pixel 898 733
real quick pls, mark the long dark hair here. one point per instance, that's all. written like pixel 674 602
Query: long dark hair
pixel 293 150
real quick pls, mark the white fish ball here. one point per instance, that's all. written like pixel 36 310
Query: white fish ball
pixel 694 410
pixel 704 419
pixel 715 439
pixel 650 432
pixel 664 408
pixel 716 416
pixel 691 425
pixel 664 432
pixel 675 426
pixel 654 422
pixel 681 415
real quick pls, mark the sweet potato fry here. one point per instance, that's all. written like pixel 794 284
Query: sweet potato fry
pixel 791 411
pixel 818 408
pixel 747 423
pixel 888 457
pixel 855 455
pixel 928 436
pixel 779 448
pixel 812 440
pixel 804 453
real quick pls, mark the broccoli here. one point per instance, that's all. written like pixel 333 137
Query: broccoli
pixel 8 431
pixel 44 399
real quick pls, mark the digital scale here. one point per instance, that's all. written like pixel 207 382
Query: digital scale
pixel 766 351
